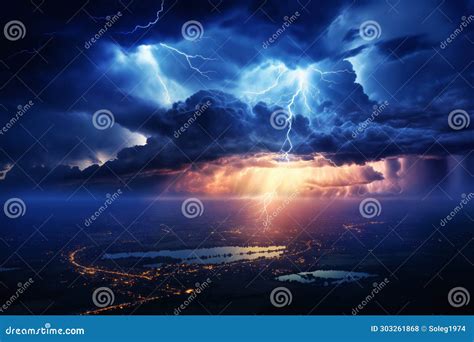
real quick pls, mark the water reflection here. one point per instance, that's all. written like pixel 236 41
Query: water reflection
pixel 213 255
pixel 337 276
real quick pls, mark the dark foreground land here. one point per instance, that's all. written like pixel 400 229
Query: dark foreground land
pixel 405 247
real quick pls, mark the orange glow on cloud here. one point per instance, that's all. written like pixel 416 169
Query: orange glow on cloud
pixel 261 174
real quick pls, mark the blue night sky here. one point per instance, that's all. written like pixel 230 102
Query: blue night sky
pixel 363 110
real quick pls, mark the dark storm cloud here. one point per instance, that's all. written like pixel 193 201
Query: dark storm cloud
pixel 68 86
pixel 405 46
pixel 224 126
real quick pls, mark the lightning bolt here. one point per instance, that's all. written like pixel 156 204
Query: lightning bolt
pixel 295 91
pixel 165 88
pixel 271 87
pixel 301 91
pixel 3 174
pixel 189 59
pixel 151 23
pixel 147 56
pixel 266 201
pixel 289 121
pixel 323 73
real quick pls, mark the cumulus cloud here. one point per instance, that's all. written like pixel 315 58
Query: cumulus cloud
pixel 319 69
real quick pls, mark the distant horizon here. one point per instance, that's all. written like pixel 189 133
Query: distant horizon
pixel 250 157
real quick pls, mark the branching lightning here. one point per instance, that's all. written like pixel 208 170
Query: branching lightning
pixel 296 91
pixel 189 59
pixel 146 55
pixel 293 89
pixel 151 23
pixel 282 71
pixel 323 73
